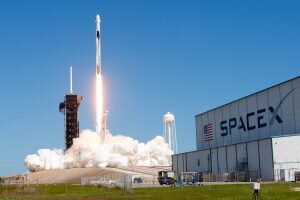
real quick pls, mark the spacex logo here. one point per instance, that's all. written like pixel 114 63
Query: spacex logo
pixel 243 123
pixel 278 106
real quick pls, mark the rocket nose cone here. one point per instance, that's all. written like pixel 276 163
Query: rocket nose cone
pixel 97 17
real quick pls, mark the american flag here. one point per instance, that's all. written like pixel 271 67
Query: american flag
pixel 208 132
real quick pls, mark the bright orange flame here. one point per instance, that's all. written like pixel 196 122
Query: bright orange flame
pixel 99 102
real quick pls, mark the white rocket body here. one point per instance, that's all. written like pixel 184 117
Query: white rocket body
pixel 98 45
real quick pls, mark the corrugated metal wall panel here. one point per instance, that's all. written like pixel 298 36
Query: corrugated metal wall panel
pixel 243 111
pixel 180 163
pixel 214 160
pixel 211 120
pixel 241 150
pixel 287 109
pixel 205 122
pixel 174 163
pixel 266 162
pixel 253 156
pixel 185 158
pixel 251 121
pixel 218 119
pixel 235 133
pixel 231 158
pixel 262 107
pixel 274 99
pixel 204 165
pixel 199 133
pixel 222 159
pixel 192 161
pixel 296 95
pixel 226 116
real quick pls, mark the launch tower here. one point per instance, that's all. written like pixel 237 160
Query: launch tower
pixel 70 109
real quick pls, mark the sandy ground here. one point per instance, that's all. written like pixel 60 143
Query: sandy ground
pixel 74 175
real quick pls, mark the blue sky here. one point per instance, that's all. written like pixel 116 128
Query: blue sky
pixel 180 56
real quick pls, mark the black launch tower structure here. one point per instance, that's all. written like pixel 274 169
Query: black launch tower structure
pixel 70 109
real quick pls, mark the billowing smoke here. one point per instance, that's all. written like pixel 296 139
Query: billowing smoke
pixel 88 151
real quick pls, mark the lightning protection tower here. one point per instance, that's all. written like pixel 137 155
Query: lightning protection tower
pixel 70 109
pixel 170 131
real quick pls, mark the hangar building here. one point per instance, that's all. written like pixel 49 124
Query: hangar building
pixel 258 133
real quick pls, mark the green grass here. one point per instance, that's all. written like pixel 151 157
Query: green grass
pixel 219 192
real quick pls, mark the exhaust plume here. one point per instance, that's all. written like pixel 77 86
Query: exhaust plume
pixel 89 151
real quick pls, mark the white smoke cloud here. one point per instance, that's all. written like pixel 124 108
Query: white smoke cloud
pixel 88 151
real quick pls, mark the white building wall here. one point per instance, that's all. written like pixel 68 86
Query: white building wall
pixel 286 157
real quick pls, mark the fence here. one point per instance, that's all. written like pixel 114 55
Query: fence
pixel 112 181
pixel 297 176
pixel 287 174
pixel 14 180
pixel 221 177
